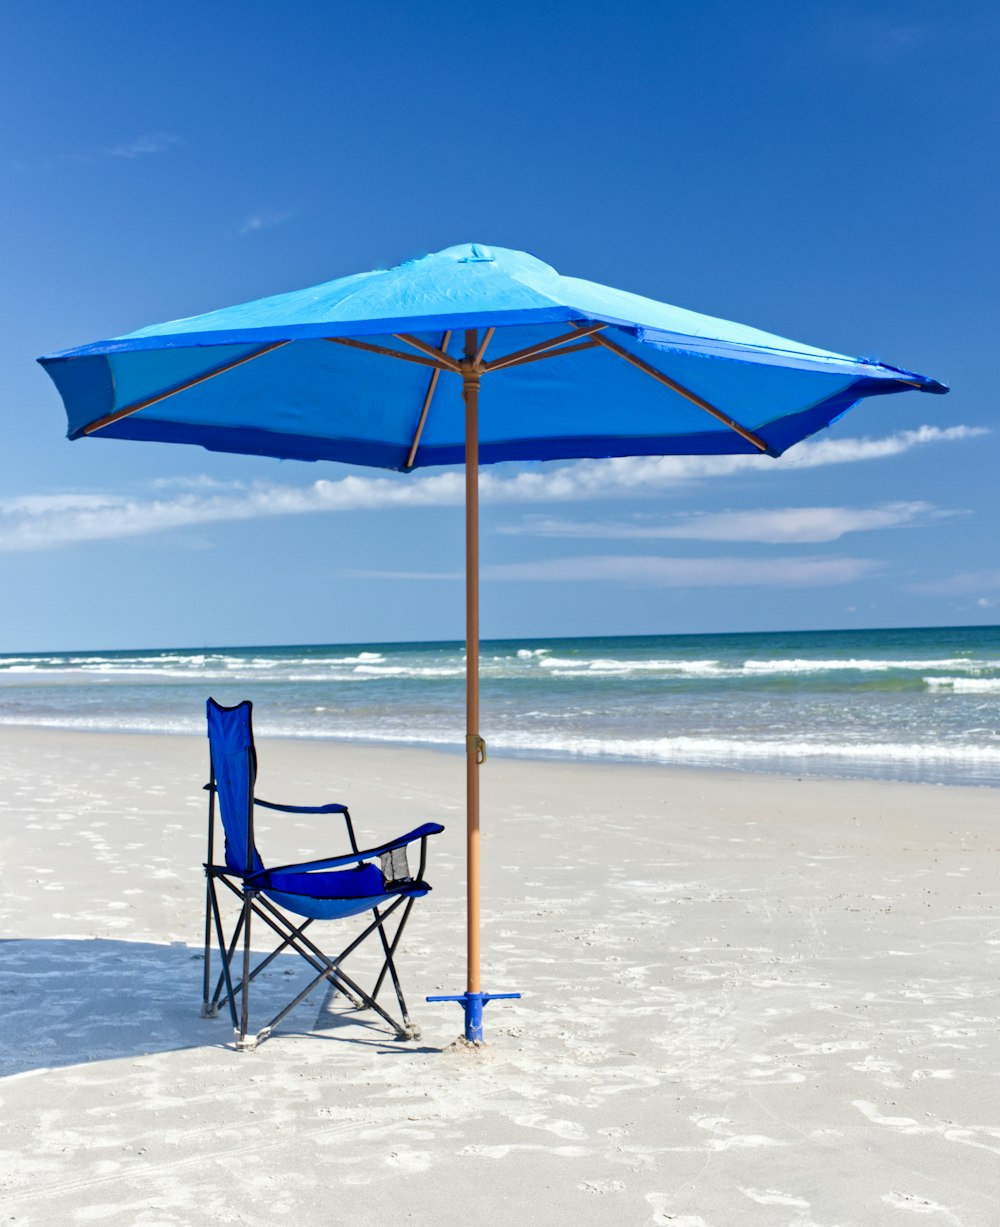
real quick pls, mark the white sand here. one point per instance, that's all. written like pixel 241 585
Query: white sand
pixel 747 1001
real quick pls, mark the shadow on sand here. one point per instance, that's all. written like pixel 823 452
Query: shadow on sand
pixel 71 1001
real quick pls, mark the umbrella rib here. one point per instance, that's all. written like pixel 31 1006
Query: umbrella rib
pixel 523 355
pixel 487 337
pixel 693 397
pixel 385 351
pixel 128 410
pixel 449 364
pixel 429 396
pixel 550 353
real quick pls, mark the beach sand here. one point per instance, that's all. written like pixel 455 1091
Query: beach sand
pixel 747 1001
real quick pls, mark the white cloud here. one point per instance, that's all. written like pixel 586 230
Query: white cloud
pixel 665 572
pixel 265 219
pixel 140 146
pixel 778 526
pixel 841 451
pixel 43 506
pixel 631 472
pixel 150 142
pixel 198 481
pixel 588 479
pixel 41 521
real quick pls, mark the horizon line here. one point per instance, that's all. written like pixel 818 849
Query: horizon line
pixel 363 643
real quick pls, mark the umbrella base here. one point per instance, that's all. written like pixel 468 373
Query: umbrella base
pixel 473 1004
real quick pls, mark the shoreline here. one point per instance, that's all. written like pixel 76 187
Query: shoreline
pixel 753 766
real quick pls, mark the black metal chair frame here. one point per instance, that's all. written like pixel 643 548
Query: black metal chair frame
pixel 233 990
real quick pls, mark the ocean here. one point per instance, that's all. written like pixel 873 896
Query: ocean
pixel 919 705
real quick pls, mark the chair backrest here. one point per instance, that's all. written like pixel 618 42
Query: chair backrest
pixel 234 774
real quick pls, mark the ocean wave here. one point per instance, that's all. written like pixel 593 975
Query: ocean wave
pixel 360 658
pixel 155 658
pixel 102 675
pixel 780 666
pixel 723 750
pixel 805 665
pixel 965 685
pixel 609 665
pixel 113 670
pixel 110 723
pixel 174 663
pixel 409 671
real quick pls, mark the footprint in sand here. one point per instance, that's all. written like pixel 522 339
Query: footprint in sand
pixel 772 1197
pixel 410 1160
pixel 503 1151
pixel 663 1218
pixel 561 1128
pixel 726 1138
pixel 919 1205
pixel 602 1186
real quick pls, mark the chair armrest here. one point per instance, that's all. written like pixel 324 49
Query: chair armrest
pixel 352 858
pixel 332 808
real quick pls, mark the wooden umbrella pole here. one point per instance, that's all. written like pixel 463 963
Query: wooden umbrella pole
pixel 474 748
pixel 473 999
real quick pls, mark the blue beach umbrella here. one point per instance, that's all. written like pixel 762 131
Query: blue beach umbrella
pixel 384 369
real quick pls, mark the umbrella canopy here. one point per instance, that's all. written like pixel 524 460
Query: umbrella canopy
pixel 301 380
pixel 384 369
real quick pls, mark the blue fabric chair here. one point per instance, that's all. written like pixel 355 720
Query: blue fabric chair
pixel 374 882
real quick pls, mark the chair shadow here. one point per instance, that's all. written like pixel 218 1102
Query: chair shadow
pixel 74 1001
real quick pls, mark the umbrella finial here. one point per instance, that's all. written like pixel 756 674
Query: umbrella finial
pixel 478 253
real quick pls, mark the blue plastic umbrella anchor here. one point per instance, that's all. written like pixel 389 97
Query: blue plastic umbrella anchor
pixel 473 1004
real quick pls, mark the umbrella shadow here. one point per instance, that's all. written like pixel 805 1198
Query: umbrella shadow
pixel 78 1000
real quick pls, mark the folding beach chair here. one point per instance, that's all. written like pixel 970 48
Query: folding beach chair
pixel 373 883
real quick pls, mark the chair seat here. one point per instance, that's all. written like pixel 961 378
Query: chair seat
pixel 331 894
pixel 355 883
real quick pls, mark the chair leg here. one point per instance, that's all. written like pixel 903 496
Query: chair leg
pixel 234 942
pixel 325 974
pixel 231 997
pixel 227 956
pixel 371 1004
pixel 209 1008
pixel 389 965
pixel 241 1022
pixel 243 1044
pixel 406 1029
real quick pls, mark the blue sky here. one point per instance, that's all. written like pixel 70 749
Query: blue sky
pixel 823 171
